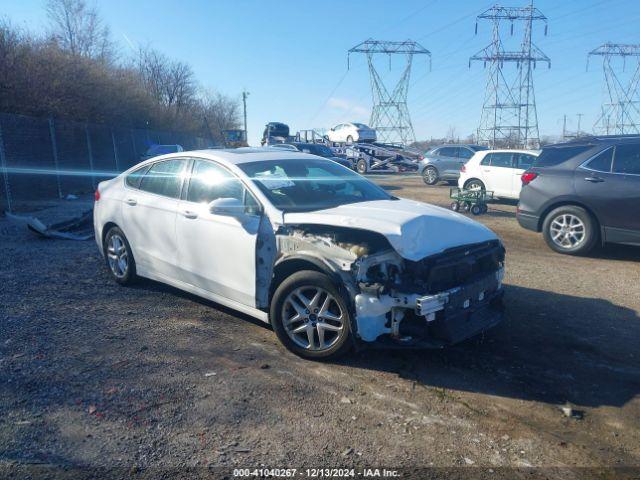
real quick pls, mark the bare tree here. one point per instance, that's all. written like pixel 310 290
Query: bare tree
pixel 171 83
pixel 220 113
pixel 78 29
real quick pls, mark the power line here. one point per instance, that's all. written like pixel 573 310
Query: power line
pixel 620 113
pixel 509 116
pixel 390 114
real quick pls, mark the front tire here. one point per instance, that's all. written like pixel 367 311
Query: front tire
pixel 430 176
pixel 570 230
pixel 310 316
pixel 349 140
pixel 362 167
pixel 119 257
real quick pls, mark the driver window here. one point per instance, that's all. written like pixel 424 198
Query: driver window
pixel 210 182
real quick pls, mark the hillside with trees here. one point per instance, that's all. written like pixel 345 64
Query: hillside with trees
pixel 75 71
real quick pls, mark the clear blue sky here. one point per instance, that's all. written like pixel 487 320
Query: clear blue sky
pixel 291 55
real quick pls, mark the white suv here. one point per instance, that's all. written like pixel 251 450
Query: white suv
pixel 325 256
pixel 498 171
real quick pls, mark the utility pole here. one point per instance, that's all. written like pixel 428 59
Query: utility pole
pixel 579 115
pixel 564 127
pixel 390 114
pixel 620 112
pixel 245 94
pixel 509 117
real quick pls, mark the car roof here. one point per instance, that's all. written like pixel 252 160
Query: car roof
pixel 456 145
pixel 510 150
pixel 237 156
pixel 597 140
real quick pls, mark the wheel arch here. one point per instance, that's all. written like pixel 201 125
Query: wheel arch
pixel 469 180
pixel 105 229
pixel 289 265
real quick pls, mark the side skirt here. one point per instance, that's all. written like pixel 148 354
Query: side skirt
pixel 251 311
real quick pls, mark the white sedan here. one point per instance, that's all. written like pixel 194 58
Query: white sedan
pixel 328 258
pixel 351 133
pixel 498 171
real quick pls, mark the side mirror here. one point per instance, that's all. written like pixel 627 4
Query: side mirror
pixel 228 207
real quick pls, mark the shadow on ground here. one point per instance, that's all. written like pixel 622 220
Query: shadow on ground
pixel 552 348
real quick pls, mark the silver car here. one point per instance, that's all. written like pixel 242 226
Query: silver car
pixel 444 162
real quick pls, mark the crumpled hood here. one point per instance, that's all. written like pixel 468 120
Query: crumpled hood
pixel 414 229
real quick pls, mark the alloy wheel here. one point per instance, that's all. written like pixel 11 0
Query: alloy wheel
pixel 117 256
pixel 312 318
pixel 431 175
pixel 567 230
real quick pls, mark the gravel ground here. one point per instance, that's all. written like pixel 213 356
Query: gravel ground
pixel 146 382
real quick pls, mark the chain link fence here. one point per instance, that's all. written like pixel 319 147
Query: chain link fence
pixel 45 158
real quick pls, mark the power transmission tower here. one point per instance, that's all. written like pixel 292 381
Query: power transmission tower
pixel 620 113
pixel 390 114
pixel 509 116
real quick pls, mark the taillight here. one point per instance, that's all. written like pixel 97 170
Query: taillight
pixel 463 168
pixel 96 195
pixel 528 177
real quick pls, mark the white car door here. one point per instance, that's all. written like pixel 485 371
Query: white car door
pixel 522 162
pixel 149 217
pixel 218 252
pixel 341 133
pixel 497 172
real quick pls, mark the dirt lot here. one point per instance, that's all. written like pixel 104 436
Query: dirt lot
pixel 151 381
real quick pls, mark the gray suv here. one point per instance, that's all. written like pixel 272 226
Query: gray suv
pixel 583 193
pixel 444 162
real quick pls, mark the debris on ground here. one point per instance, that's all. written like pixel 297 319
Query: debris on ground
pixel 570 412
pixel 77 228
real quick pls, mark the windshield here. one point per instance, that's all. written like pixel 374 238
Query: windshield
pixel 306 185
pixel 360 125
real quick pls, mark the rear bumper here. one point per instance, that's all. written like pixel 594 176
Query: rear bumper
pixel 528 220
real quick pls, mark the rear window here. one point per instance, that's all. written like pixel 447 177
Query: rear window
pixel 552 156
pixel 602 161
pixel 134 178
pixel 627 159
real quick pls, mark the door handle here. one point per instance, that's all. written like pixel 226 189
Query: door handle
pixel 131 201
pixel 594 179
pixel 189 214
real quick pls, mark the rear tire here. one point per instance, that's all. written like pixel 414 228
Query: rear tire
pixel 430 175
pixel 303 336
pixel 349 140
pixel 362 167
pixel 474 184
pixel 118 257
pixel 570 230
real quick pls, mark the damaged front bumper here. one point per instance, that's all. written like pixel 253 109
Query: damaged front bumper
pixel 430 321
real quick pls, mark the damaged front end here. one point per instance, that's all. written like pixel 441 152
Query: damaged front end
pixel 436 301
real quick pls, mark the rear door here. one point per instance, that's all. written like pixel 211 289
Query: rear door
pixel 448 161
pixel 149 214
pixel 498 170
